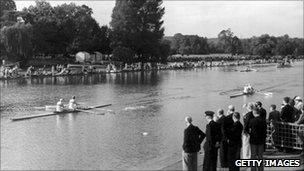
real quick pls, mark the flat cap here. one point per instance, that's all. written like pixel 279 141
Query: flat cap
pixel 209 113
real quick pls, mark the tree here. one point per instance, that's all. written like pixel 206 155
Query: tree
pixel 137 25
pixel 264 45
pixel 7 5
pixel 123 54
pixel 16 41
pixel 232 43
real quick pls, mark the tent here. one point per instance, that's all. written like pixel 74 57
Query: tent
pixel 82 56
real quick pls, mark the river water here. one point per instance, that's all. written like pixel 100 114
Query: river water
pixel 142 129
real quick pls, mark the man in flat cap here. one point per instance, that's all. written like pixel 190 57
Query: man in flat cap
pixel 213 135
pixel 193 137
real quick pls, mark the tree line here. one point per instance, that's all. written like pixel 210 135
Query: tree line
pixel 226 42
pixel 135 34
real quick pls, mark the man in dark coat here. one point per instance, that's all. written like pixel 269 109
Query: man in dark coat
pixel 223 152
pixel 213 135
pixel 261 110
pixel 225 129
pixel 235 142
pixel 193 137
pixel 257 131
pixel 287 111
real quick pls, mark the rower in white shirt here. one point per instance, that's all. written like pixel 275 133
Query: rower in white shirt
pixel 60 106
pixel 72 103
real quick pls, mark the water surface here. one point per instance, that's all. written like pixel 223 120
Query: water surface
pixel 142 102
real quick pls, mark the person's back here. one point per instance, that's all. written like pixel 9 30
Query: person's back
pixel 193 138
pixel 59 106
pixel 287 113
pixel 72 103
pixel 257 130
pixel 274 116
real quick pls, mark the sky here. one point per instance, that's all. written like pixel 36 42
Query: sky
pixel 208 18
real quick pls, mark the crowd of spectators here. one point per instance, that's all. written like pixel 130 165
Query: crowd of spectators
pixel 234 138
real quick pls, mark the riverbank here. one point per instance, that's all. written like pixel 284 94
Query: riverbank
pixel 80 69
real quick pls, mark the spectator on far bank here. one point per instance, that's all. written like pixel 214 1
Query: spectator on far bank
pixel 261 110
pixel 274 115
pixel 193 137
pixel 287 111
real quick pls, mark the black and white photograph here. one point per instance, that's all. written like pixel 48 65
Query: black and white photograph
pixel 152 85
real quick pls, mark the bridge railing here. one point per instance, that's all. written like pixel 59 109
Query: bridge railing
pixel 286 135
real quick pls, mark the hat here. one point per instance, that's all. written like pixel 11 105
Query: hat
pixel 209 113
pixel 298 98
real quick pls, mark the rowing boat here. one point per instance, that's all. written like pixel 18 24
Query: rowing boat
pixel 58 113
pixel 241 94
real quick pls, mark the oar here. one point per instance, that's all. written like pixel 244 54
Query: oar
pixel 101 106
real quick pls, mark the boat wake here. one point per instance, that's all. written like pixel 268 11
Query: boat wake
pixel 134 107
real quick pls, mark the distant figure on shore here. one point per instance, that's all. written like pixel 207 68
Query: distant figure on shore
pixel 227 123
pixel 246 151
pixel 274 115
pixel 235 142
pixel 193 137
pixel 257 131
pixel 287 111
pixel 261 110
pixel 212 143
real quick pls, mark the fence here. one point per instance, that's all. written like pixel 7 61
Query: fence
pixel 286 135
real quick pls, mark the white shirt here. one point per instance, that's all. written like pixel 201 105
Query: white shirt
pixel 72 104
pixel 59 107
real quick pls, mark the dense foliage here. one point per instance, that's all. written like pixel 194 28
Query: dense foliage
pixel 226 42
pixel 137 27
pixel 64 29
pixel 135 34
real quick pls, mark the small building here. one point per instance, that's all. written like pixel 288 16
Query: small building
pixel 96 57
pixel 82 57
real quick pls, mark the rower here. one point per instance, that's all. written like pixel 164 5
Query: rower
pixel 60 106
pixel 250 88
pixel 72 103
pixel 246 89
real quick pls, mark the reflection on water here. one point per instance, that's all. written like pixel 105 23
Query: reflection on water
pixel 154 103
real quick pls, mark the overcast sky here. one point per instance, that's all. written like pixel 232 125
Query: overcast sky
pixel 208 18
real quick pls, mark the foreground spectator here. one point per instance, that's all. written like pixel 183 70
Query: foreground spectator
pixel 274 115
pixel 257 132
pixel 246 154
pixel 193 137
pixel 298 102
pixel 261 110
pixel 300 121
pixel 287 111
pixel 228 122
pixel 235 142
pixel 211 144
pixel 220 121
